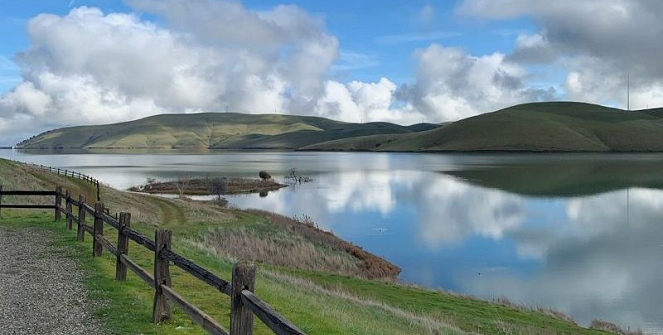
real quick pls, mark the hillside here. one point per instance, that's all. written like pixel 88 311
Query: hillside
pixel 535 127
pixel 212 131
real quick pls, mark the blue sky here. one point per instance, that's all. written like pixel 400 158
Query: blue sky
pixel 65 62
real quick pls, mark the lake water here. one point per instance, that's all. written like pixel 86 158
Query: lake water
pixel 582 234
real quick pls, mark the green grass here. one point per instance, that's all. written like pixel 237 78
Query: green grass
pixel 211 131
pixel 317 302
pixel 535 127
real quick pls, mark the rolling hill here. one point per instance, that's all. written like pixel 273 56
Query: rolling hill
pixel 535 127
pixel 211 131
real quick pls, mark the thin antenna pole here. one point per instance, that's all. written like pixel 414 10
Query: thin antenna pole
pixel 628 92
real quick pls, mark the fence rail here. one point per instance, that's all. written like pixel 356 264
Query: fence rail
pixel 66 173
pixel 244 303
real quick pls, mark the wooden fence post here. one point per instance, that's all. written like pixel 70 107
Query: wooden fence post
pixel 162 309
pixel 80 232
pixel 98 229
pixel 98 192
pixel 69 214
pixel 0 201
pixel 122 247
pixel 241 318
pixel 58 202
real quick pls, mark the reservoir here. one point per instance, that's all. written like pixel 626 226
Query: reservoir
pixel 579 233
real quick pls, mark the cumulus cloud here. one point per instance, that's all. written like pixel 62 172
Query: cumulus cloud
pixel 90 67
pixel 451 84
pixel 533 49
pixel 597 41
pixel 362 102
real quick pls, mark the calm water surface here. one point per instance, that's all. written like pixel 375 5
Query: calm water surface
pixel 580 233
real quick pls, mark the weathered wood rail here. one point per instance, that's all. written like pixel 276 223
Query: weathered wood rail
pixel 67 173
pixel 244 303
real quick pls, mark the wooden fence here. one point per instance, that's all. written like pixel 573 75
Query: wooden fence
pixel 66 173
pixel 244 303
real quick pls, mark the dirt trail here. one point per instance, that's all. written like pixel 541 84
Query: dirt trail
pixel 41 290
pixel 171 214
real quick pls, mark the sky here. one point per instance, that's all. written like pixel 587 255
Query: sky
pixel 73 62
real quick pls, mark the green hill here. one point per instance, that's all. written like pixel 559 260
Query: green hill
pixel 213 131
pixel 535 127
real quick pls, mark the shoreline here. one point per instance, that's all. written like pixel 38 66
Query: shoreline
pixel 378 290
pixel 198 150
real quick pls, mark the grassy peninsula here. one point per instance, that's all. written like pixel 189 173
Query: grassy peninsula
pixel 209 186
pixel 321 283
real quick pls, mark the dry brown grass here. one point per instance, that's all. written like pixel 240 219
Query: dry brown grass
pixel 280 249
pixel 371 266
pixel 143 208
pixel 613 328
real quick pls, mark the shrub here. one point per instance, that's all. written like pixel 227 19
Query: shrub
pixel 264 175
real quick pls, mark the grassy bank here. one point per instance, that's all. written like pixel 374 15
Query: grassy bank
pixel 315 298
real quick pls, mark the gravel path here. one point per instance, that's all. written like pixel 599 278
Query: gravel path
pixel 41 290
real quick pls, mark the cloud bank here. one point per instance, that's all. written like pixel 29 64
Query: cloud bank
pixel 90 67
pixel 599 43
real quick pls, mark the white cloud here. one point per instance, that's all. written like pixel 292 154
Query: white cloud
pixel 598 42
pixel 533 48
pixel 450 84
pixel 365 102
pixel 88 67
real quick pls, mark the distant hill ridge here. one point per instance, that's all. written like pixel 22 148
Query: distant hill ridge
pixel 213 131
pixel 534 127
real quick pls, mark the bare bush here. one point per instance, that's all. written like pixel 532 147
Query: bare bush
pixel 293 177
pixel 181 184
pixel 219 186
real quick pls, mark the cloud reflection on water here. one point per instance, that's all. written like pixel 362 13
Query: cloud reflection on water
pixel 590 261
pixel 552 232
